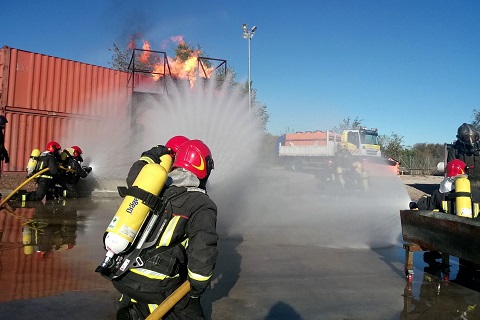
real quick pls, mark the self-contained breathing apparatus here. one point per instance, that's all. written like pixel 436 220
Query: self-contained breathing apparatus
pixel 140 220
pixel 459 201
pixel 150 232
pixel 32 165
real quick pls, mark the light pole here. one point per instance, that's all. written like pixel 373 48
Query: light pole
pixel 248 34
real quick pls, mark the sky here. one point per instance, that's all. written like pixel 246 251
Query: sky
pixel 406 67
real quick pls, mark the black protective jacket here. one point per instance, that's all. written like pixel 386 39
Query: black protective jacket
pixel 192 235
pixel 3 152
pixel 73 177
pixel 434 202
pixel 471 157
pixel 50 161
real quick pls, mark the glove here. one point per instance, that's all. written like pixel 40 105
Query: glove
pixel 196 290
pixel 193 308
pixel 162 150
pixel 87 169
pixel 413 205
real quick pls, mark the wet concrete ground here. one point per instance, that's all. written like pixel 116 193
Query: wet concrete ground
pixel 275 266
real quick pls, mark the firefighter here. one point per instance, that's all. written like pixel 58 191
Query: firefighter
pixel 153 156
pixel 50 159
pixel 436 201
pixel 3 152
pixel 348 171
pixel 70 178
pixel 192 241
pixel 467 149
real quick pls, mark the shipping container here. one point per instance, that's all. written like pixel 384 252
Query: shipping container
pixel 43 96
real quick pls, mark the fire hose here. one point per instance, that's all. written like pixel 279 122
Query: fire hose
pixel 21 185
pixel 27 181
pixel 169 302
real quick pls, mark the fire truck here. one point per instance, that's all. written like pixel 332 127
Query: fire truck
pixel 317 149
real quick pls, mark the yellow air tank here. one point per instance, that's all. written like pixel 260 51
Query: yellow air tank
pixel 131 214
pixel 27 240
pixel 32 161
pixel 463 201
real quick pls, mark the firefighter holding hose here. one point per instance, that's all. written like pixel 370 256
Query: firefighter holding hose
pixel 448 198
pixel 70 178
pixel 185 251
pixel 50 159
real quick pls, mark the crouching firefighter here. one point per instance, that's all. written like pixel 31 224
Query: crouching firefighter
pixel 176 242
pixel 454 195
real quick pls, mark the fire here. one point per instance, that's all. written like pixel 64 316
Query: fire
pixel 179 69
pixel 145 57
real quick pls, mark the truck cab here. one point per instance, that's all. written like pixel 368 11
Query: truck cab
pixel 362 141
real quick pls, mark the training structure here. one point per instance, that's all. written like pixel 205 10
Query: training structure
pixel 442 232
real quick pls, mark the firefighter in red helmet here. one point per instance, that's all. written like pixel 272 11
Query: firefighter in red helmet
pixel 191 240
pixel 153 156
pixel 446 190
pixel 50 159
pixel 70 178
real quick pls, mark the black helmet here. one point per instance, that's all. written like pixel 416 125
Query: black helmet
pixel 467 134
pixel 3 120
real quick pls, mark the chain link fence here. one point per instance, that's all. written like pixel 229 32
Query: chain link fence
pixel 420 166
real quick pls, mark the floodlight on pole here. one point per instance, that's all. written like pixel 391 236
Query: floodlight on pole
pixel 248 34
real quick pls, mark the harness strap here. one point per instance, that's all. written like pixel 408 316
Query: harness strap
pixel 140 261
pixel 462 194
pixel 149 199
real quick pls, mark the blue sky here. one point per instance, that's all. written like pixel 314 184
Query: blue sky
pixel 407 67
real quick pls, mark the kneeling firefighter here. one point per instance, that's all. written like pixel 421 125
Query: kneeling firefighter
pixel 48 159
pixel 454 194
pixel 70 178
pixel 180 246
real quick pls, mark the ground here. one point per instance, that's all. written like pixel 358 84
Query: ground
pixel 419 185
pixel 416 185
pixel 11 180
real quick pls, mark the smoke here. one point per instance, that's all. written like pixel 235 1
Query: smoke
pixel 255 200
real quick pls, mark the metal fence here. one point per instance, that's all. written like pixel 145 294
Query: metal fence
pixel 419 166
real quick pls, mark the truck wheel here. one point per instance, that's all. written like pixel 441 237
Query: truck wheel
pixel 295 166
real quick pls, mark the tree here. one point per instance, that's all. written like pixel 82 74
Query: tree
pixel 391 146
pixel 476 119
pixel 120 58
pixel 348 124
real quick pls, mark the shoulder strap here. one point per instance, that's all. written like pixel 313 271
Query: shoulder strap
pixel 158 206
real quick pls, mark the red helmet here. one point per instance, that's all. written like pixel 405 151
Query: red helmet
pixel 53 146
pixel 175 142
pixel 455 167
pixel 76 151
pixel 195 157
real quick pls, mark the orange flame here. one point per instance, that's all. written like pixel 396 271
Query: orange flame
pixel 145 56
pixel 188 69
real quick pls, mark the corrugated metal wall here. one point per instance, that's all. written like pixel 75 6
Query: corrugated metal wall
pixel 42 96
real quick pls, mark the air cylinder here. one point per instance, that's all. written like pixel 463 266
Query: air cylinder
pixel 463 200
pixel 131 214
